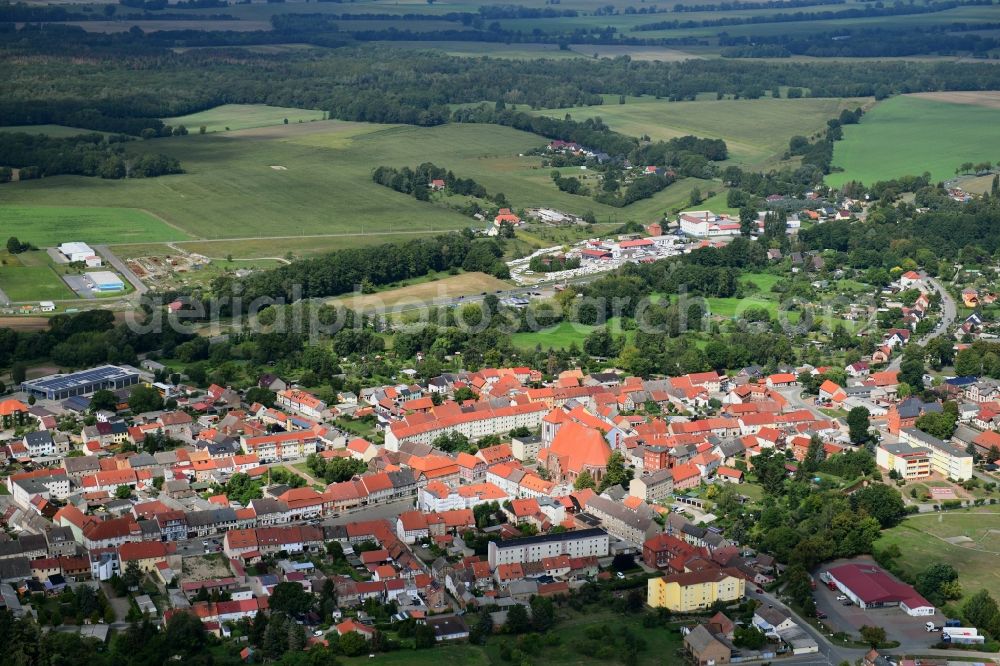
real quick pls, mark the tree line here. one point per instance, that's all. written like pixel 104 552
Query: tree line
pixel 381 84
pixel 867 11
pixel 38 155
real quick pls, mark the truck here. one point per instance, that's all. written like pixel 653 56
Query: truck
pixel 959 631
pixel 930 626
pixel 963 640
pixel 952 623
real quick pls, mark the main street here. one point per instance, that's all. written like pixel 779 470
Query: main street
pixel 948 313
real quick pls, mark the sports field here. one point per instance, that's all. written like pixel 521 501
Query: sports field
pixel 756 131
pixel 908 135
pixel 243 116
pixel 48 226
pixel 29 276
pixel 968 540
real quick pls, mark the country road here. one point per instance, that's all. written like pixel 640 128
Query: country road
pixel 122 268
pixel 948 313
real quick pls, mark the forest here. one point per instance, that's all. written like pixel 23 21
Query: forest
pixel 37 156
pixel 380 84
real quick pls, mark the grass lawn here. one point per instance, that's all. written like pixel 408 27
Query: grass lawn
pixel 756 131
pixel 30 276
pixel 564 334
pixel 909 135
pixel 764 281
pixel 732 308
pixel 920 539
pixel 243 116
pixel 560 336
pixel 576 648
pixel 466 655
pixel 48 226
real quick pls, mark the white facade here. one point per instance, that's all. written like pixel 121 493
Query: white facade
pixel 581 543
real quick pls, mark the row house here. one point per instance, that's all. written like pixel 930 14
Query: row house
pixel 301 402
pixel 424 428
pixel 440 497
pixel 280 446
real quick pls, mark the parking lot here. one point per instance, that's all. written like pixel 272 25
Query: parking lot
pixel 909 631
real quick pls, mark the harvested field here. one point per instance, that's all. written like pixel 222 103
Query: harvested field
pixel 424 293
pixel 988 98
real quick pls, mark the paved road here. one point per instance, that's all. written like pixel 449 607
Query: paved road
pixel 948 313
pixel 388 511
pixel 122 268
pixel 828 652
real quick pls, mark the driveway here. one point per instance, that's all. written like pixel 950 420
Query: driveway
pixel 122 268
pixel 78 284
pixel 909 631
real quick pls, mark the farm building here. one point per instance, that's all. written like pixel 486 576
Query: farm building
pixel 76 251
pixel 106 281
pixel 84 382
pixel 869 586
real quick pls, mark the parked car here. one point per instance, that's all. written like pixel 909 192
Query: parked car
pixel 847 602
pixel 841 597
pixel 821 615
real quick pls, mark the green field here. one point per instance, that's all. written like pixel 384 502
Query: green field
pixel 763 281
pixel 555 337
pixel 921 540
pixel 243 116
pixel 48 226
pixel 908 135
pixel 732 308
pixel 756 131
pixel 315 179
pixel 30 277
pixel 564 334
pixel 55 131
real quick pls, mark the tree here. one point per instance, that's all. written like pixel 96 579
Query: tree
pixel 981 611
pixel 543 614
pixel 103 400
pixel 858 423
pixel 695 198
pixel 748 220
pixel 911 372
pixel 423 637
pixel 144 399
pixel 464 393
pixel 874 636
pixel 264 396
pixel 749 637
pixel 938 424
pixel 290 598
pixel 616 472
pixel 14 246
pixel 771 472
pixel 123 492
pixel 881 502
pixel 18 373
pixel 353 644
pixel 584 480
pixel 937 583
pixel 517 620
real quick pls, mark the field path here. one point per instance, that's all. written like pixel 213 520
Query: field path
pixel 167 222
pixel 419 232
